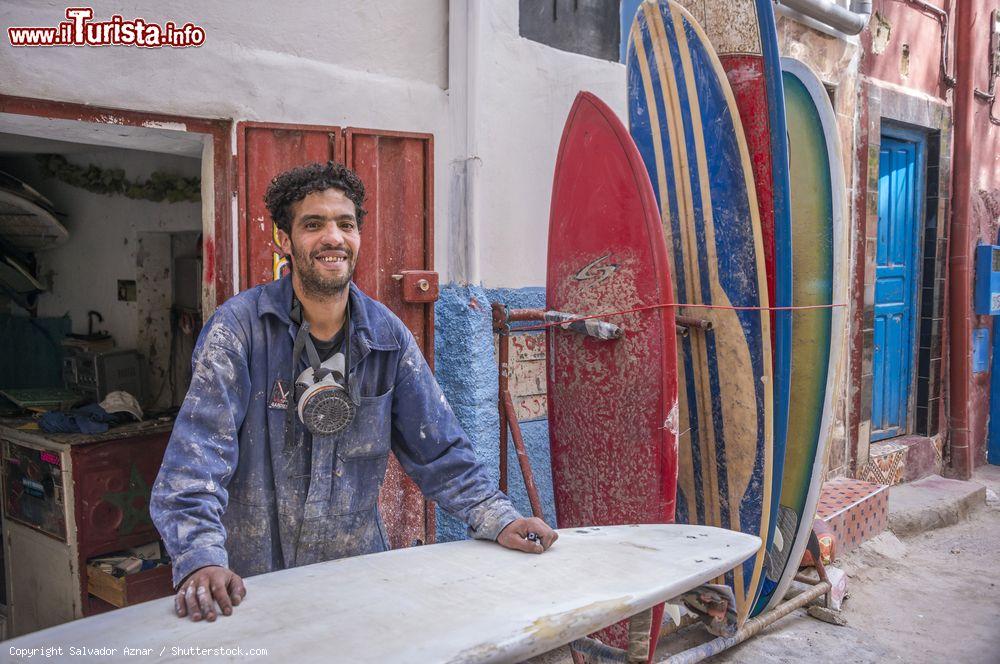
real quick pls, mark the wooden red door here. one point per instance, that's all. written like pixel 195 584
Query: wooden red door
pixel 397 169
pixel 264 150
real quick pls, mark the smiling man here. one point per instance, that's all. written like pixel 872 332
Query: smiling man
pixel 300 389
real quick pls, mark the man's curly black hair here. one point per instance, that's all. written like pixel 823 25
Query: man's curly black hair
pixel 293 185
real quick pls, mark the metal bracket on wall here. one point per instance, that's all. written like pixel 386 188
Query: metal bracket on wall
pixel 502 318
pixel 942 17
pixel 990 95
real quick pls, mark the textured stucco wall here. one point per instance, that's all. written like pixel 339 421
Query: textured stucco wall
pixel 467 371
pixel 394 38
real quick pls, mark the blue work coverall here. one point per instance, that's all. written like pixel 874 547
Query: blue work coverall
pixel 231 492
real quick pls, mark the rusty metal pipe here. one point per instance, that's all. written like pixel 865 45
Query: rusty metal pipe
pixel 691 321
pixel 502 316
pixel 960 235
pixel 522 315
pixel 502 329
pixel 750 628
pixel 503 388
pixel 522 457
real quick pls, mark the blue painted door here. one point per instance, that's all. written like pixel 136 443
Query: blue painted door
pixel 898 208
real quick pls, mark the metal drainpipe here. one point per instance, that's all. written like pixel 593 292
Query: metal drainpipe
pixel 959 279
pixel 849 22
pixel 474 28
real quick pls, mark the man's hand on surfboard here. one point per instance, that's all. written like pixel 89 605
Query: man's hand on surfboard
pixel 529 535
pixel 203 588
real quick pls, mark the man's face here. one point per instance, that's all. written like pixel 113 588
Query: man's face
pixel 324 243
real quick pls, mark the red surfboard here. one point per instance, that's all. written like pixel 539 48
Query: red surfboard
pixel 612 404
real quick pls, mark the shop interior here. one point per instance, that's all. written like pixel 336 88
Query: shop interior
pixel 101 288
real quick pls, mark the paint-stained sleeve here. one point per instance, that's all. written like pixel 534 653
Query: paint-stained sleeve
pixel 434 450
pixel 189 496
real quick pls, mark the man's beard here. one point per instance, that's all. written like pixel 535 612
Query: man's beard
pixel 311 278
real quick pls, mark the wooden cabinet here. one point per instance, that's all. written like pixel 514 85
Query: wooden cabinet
pixel 68 498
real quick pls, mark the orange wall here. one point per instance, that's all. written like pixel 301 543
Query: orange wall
pixel 985 203
pixel 909 29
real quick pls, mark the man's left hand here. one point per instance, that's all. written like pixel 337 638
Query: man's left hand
pixel 518 535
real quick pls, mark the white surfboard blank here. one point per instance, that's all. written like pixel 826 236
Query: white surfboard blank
pixel 456 602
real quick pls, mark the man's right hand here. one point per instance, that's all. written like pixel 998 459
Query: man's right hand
pixel 204 588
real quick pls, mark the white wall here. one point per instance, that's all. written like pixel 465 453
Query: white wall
pixel 405 39
pixel 526 92
pixel 103 243
pixel 388 64
pixel 377 64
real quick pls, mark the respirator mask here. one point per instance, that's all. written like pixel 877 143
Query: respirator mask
pixel 324 402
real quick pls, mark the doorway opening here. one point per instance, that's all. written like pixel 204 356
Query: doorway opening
pixel 109 263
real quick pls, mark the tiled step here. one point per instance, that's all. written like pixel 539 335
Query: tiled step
pixel 902 459
pixel 854 509
pixel 886 463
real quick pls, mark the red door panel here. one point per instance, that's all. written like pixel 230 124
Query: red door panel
pixel 397 169
pixel 263 151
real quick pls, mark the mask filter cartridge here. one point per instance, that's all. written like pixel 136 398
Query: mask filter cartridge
pixel 325 406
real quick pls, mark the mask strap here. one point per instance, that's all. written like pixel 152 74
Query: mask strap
pixel 300 342
pixel 311 352
pixel 348 374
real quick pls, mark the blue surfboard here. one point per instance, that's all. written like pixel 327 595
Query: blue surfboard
pixel 685 121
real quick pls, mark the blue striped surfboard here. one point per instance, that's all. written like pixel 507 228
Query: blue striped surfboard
pixel 684 120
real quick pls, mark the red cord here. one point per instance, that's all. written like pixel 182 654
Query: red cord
pixel 673 304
